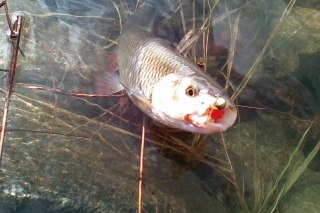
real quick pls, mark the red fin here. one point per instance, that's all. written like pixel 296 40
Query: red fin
pixel 107 83
pixel 112 63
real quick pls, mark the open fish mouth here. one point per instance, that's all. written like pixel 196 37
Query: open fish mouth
pixel 213 119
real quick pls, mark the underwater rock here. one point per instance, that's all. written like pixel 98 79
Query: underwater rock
pixel 304 195
pixel 288 44
pixel 65 153
pixel 258 151
pixel 311 4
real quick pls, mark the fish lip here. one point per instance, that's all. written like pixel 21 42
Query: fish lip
pixel 207 113
pixel 206 119
pixel 209 124
pixel 188 119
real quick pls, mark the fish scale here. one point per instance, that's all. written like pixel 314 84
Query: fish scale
pixel 166 86
pixel 157 59
pixel 147 61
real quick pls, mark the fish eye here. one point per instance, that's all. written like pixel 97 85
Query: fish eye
pixel 191 91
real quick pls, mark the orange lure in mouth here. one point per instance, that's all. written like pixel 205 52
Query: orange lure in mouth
pixel 215 114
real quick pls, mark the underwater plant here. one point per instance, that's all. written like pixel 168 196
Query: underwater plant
pixel 68 149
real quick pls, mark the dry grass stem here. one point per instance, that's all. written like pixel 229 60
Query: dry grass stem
pixel 257 61
pixel 141 165
pixel 15 36
pixel 234 34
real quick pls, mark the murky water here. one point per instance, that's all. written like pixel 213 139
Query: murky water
pixel 66 151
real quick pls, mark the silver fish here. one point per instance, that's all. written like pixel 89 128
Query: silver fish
pixel 166 86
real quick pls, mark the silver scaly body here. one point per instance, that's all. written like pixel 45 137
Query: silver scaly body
pixel 166 86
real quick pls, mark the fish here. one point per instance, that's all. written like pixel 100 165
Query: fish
pixel 163 84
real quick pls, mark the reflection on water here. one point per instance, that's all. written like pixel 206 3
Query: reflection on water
pixel 65 151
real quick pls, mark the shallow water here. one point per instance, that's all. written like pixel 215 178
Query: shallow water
pixel 65 152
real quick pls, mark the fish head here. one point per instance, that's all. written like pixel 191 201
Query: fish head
pixel 192 103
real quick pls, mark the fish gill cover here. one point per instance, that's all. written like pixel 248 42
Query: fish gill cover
pixel 67 150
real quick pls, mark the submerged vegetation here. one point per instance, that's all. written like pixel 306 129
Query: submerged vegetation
pixel 63 142
pixel 267 193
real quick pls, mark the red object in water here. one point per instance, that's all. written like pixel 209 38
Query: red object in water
pixel 112 63
pixel 216 114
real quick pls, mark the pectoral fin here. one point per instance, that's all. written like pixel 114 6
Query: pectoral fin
pixel 140 101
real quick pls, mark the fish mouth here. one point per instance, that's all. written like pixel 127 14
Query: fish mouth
pixel 213 119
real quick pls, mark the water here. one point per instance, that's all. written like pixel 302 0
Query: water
pixel 64 152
